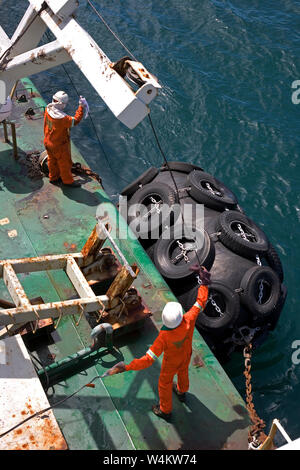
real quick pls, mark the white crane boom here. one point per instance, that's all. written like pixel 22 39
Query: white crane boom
pixel 21 56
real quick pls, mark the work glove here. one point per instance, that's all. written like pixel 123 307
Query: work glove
pixel 117 369
pixel 83 102
pixel 203 274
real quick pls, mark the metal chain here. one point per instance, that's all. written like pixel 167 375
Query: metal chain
pixel 156 204
pixel 77 168
pixel 34 170
pixel 256 435
pixel 33 167
pixel 155 208
pixel 216 306
pixel 211 189
pixel 261 291
pixel 243 235
pixel 182 254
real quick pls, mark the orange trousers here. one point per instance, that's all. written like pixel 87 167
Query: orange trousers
pixel 60 164
pixel 165 386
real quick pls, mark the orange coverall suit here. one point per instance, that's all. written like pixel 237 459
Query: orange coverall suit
pixel 57 144
pixel 176 344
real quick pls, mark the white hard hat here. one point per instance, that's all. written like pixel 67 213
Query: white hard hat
pixel 172 314
pixel 61 97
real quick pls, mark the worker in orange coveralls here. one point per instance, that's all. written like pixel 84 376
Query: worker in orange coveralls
pixel 175 341
pixel 57 126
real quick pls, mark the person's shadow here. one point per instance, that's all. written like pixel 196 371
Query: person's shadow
pixel 82 195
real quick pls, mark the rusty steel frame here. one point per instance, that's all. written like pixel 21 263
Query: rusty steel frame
pixel 24 311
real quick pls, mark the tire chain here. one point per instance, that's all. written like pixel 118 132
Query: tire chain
pixel 216 306
pixel 256 436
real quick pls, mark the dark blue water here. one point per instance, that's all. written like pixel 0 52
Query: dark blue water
pixel 226 68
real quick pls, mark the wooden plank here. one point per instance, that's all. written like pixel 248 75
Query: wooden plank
pixel 22 390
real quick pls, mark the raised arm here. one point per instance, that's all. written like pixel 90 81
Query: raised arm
pixel 200 303
pixel 151 355
pixel 70 121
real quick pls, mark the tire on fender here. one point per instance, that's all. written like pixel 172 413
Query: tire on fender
pixel 260 291
pixel 274 262
pixel 152 208
pixel 221 311
pixel 231 225
pixel 169 258
pixel 142 180
pixel 206 189
pixel 182 167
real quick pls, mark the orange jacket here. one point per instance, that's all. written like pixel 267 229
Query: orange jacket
pixel 176 344
pixel 56 131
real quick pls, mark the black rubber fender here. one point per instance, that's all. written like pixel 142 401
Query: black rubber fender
pixel 274 261
pixel 182 167
pixel 167 249
pixel 142 180
pixel 228 302
pixel 141 203
pixel 250 286
pixel 274 317
pixel 230 235
pixel 206 189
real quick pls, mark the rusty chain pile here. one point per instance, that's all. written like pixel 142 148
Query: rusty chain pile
pixel 256 435
pixel 34 169
pixel 31 162
pixel 78 169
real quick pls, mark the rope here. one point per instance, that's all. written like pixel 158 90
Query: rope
pixel 110 30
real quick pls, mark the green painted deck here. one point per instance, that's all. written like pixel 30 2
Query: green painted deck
pixel 116 414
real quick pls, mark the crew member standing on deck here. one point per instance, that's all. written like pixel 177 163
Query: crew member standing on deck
pixel 175 341
pixel 57 126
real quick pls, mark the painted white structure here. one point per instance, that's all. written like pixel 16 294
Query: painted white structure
pixel 22 390
pixel 20 57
